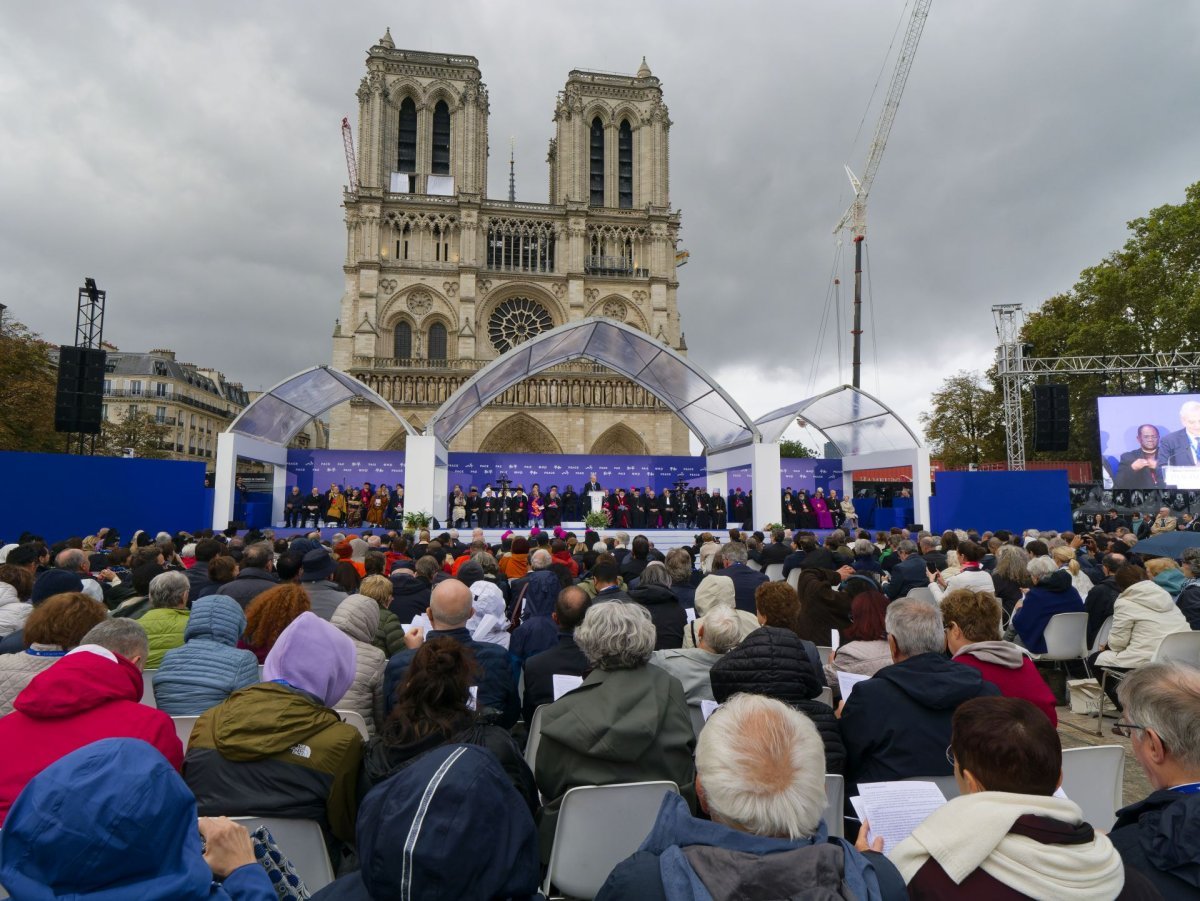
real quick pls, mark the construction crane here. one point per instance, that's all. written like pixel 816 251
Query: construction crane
pixel 855 218
pixel 351 163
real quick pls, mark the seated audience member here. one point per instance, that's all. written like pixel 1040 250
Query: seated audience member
pixel 411 588
pixel 1052 593
pixel 389 637
pixel 533 603
pixel 639 555
pixel 822 607
pixel 358 618
pixel 1010 576
pixel 1064 555
pixel 1158 835
pixel 55 626
pixel 269 614
pixel 448 611
pixel 717 634
pixel 605 581
pixel 1166 574
pixel 760 780
pixel 488 622
pixel 166 620
pixel 1143 616
pixel 515 563
pixel 775 663
pixel 864 648
pixel 277 748
pixel 1189 596
pixel 45 585
pixel 16 587
pixel 94 802
pixel 970 575
pixel 433 709
pixel 628 722
pixel 718 591
pixel 654 593
pixel 972 620
pixel 462 827
pixel 1006 835
pixel 563 659
pixel 866 560
pixel 255 574
pixel 897 723
pixel 222 570
pixel 1103 596
pixel 911 572
pixel 136 605
pixel 93 692
pixel 745 580
pixel 317 579
pixel 680 566
pixel 210 666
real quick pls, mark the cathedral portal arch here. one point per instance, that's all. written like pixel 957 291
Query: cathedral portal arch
pixel 520 434
pixel 620 439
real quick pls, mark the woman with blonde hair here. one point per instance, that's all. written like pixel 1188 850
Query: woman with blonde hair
pixel 389 637
pixel 1064 556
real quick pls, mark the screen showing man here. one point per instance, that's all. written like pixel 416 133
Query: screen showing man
pixel 1138 468
pixel 1142 445
pixel 1182 447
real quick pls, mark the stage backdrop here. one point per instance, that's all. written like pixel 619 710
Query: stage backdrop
pixel 322 468
pixel 1038 499
pixel 63 495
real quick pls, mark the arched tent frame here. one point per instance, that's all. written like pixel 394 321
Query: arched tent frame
pixel 264 428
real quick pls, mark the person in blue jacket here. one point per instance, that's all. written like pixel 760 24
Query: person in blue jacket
pixel 209 667
pixel 113 821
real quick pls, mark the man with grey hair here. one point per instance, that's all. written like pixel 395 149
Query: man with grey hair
pixel 760 777
pixel 448 611
pixel 1182 447
pixel 897 723
pixel 1158 835
pixel 911 572
pixel 75 561
pixel 628 722
pixel 717 632
pixel 166 620
pixel 745 580
pixel 255 575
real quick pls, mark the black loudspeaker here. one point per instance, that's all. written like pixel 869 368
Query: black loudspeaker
pixel 80 395
pixel 1051 418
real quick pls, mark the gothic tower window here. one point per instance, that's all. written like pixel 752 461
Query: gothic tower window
pixel 597 163
pixel 625 166
pixel 406 155
pixel 441 139
pixel 437 341
pixel 402 341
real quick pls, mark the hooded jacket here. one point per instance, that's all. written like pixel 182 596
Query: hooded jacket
pixel 1053 594
pixel 12 610
pixel 1143 616
pixel 897 723
pixel 1012 671
pixel 624 725
pixel 774 662
pixel 358 617
pixel 410 596
pixel 87 695
pixel 71 833
pixel 668 616
pixel 689 859
pixel 717 591
pixel 209 667
pixel 450 825
pixel 1160 837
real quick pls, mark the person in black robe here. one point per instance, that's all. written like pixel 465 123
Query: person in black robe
pixel 519 516
pixel 737 507
pixel 504 508
pixel 473 507
pixel 653 509
pixel 720 511
pixel 748 508
pixel 554 508
pixel 570 505
pixel 690 503
pixel 806 517
pixel 487 508
pixel 666 509
pixel 703 511
pixel 637 514
pixel 788 510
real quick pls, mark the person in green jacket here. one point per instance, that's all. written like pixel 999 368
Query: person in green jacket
pixel 389 637
pixel 628 722
pixel 167 618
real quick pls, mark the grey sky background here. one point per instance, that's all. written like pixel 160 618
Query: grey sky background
pixel 189 158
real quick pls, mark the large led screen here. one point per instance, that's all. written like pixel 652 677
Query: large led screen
pixel 1151 441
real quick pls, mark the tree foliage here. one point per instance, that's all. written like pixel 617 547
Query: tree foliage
pixel 964 424
pixel 28 383
pixel 139 432
pixel 796 450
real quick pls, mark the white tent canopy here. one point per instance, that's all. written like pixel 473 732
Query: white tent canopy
pixel 854 421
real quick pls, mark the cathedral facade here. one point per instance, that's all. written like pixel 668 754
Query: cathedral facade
pixel 440 279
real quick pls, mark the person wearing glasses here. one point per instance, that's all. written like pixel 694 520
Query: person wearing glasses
pixel 1159 835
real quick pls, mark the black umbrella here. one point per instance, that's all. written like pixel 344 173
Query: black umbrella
pixel 1167 544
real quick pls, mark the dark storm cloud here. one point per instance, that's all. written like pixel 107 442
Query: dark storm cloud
pixel 188 156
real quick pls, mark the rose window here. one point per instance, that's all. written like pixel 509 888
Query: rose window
pixel 516 321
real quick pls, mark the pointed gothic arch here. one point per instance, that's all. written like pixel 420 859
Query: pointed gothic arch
pixel 520 434
pixel 620 439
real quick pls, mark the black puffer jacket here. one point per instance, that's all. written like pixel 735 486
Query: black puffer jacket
pixel 774 662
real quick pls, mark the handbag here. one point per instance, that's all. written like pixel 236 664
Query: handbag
pixel 286 881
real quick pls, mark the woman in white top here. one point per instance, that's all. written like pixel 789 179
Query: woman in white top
pixel 970 576
pixel 1064 556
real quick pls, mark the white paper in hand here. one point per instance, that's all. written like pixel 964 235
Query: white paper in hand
pixel 690 613
pixel 895 809
pixel 847 681
pixel 835 641
pixel 707 708
pixel 564 683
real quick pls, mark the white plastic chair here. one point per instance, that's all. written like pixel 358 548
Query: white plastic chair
pixel 1066 639
pixel 774 572
pixel 825 653
pixel 355 719
pixel 754 565
pixel 148 687
pixel 301 842
pixel 598 827
pixel 793 578
pixel 1094 778
pixel 1179 647
pixel 835 799
pixel 921 593
pixel 183 728
pixel 535 736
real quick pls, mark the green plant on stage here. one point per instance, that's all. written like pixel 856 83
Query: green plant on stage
pixel 598 519
pixel 417 520
pixel 772 526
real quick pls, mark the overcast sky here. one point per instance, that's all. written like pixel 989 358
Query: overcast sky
pixel 188 156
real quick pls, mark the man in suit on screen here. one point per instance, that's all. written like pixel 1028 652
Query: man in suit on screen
pixel 1139 468
pixel 1182 447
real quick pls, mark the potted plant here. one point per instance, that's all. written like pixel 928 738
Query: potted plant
pixel 415 520
pixel 598 519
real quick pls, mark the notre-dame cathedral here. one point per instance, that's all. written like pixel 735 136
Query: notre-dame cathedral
pixel 440 279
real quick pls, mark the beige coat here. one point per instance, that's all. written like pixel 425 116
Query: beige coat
pixel 358 617
pixel 16 671
pixel 712 592
pixel 863 658
pixel 1143 616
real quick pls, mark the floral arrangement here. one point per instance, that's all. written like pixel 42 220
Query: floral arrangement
pixel 598 519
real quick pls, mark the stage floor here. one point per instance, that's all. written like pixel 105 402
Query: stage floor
pixel 660 538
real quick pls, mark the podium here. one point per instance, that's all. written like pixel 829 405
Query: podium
pixel 597 499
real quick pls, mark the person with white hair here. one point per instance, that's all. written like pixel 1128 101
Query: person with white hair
pixel 760 777
pixel 628 722
pixel 712 592
pixel 1052 593
pixel 716 633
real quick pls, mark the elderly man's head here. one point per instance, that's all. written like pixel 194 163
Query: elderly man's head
pixel 914 627
pixel 72 560
pixel 450 605
pixel 717 631
pixel 733 552
pixel 122 636
pixel 169 589
pixel 616 636
pixel 540 559
pixel 1162 708
pixel 760 768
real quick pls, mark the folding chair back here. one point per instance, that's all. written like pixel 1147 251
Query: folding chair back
pixel 535 736
pixel 1094 778
pixel 754 565
pixel 183 728
pixel 835 797
pixel 301 842
pixel 826 696
pixel 774 572
pixel 825 652
pixel 1179 647
pixel 355 719
pixel 598 827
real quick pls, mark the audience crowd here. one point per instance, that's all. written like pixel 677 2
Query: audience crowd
pixel 430 699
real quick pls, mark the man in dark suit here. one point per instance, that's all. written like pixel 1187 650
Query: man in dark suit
pixel 775 552
pixel 909 573
pixel 606 579
pixel 564 659
pixel 1138 468
pixel 1182 447
pixel 745 579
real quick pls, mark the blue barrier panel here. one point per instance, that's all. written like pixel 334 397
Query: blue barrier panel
pixel 1038 499
pixel 62 495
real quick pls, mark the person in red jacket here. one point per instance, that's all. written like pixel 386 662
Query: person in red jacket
pixel 93 692
pixel 973 636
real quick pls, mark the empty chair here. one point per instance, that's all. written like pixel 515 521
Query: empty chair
pixel 774 572
pixel 1093 778
pixel 356 720
pixel 1179 647
pixel 1066 639
pixel 148 687
pixel 301 842
pixel 535 736
pixel 922 594
pixel 183 728
pixel 835 791
pixel 598 827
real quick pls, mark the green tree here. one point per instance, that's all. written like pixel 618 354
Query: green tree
pixel 28 377
pixel 796 449
pixel 964 424
pixel 140 432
